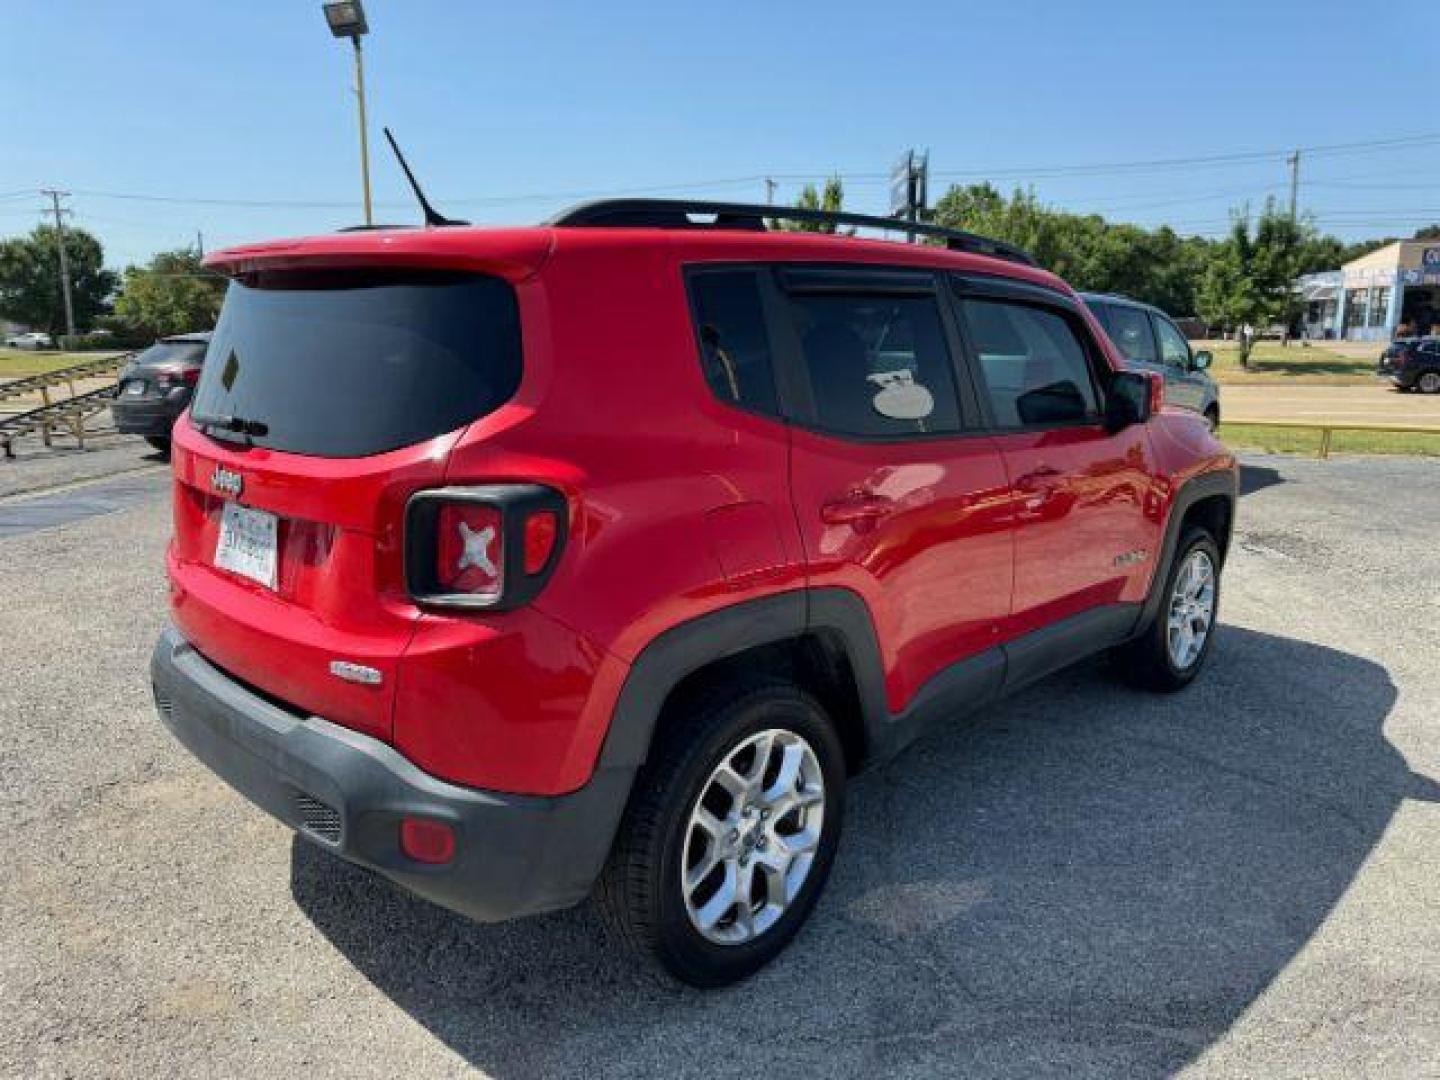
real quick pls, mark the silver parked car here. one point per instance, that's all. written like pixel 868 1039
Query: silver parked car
pixel 1151 341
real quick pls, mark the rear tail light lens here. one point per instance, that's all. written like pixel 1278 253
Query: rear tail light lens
pixel 469 550
pixel 492 546
pixel 186 376
pixel 427 840
pixel 541 529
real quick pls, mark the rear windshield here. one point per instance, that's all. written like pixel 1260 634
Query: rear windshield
pixel 173 352
pixel 345 364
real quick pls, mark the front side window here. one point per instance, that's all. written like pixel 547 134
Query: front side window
pixel 878 365
pixel 734 340
pixel 1174 349
pixel 1034 367
pixel 1130 330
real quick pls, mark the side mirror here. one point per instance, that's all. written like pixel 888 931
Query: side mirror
pixel 1202 360
pixel 1133 398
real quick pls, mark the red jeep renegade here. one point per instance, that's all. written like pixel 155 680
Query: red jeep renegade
pixel 523 564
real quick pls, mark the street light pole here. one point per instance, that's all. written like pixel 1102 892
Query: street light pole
pixel 346 19
pixel 364 127
pixel 64 259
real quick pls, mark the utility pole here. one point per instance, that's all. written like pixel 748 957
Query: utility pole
pixel 1294 162
pixel 64 259
pixel 770 186
pixel 200 243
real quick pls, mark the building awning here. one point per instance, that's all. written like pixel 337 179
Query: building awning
pixel 1314 293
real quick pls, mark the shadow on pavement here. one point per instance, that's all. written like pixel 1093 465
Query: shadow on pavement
pixel 1090 880
pixel 1255 478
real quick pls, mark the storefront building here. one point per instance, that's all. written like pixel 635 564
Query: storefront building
pixel 1396 288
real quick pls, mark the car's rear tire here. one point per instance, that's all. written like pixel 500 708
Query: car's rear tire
pixel 730 833
pixel 1170 652
pixel 159 442
pixel 1212 417
pixel 1429 383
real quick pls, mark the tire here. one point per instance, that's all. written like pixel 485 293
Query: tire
pixel 1429 383
pixel 642 891
pixel 159 442
pixel 1157 660
pixel 1212 417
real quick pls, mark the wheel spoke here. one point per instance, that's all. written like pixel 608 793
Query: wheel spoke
pixel 792 757
pixel 725 898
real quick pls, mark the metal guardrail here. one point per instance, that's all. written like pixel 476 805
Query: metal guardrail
pixel 1328 428
pixel 66 414
pixel 42 383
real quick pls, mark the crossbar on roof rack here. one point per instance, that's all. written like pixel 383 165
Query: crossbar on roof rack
pixel 681 214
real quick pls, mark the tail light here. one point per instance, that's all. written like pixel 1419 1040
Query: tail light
pixel 172 377
pixel 492 546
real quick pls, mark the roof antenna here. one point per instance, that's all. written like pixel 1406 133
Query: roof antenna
pixel 433 218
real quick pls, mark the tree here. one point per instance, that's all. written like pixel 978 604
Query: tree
pixel 174 294
pixel 30 288
pixel 1429 232
pixel 832 198
pixel 1250 278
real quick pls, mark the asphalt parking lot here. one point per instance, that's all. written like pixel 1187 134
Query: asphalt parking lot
pixel 1239 880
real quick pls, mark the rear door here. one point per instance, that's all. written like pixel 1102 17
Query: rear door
pixel 899 496
pixel 1084 531
pixel 326 400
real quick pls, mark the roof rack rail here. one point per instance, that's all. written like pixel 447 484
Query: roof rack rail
pixel 679 214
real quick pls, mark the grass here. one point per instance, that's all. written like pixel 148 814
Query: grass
pixel 1278 440
pixel 1316 365
pixel 18 363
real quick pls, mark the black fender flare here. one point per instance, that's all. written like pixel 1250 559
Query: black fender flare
pixel 1222 482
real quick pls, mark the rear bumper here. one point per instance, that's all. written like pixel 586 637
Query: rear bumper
pixel 147 416
pixel 347 792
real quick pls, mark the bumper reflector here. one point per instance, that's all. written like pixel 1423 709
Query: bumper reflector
pixel 426 840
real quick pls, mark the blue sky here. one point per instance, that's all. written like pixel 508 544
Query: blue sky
pixel 507 110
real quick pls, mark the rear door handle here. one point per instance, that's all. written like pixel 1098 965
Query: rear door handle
pixel 858 509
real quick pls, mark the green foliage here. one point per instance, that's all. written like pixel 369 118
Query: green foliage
pixel 1429 232
pixel 1158 267
pixel 832 198
pixel 30 290
pixel 174 294
pixel 1250 275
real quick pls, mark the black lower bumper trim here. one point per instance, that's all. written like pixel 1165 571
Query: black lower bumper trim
pixel 515 854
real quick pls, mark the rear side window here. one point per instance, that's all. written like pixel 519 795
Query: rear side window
pixel 877 365
pixel 1129 328
pixel 734 340
pixel 346 364
pixel 1033 365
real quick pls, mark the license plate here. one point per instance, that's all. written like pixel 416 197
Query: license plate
pixel 247 543
pixel 135 388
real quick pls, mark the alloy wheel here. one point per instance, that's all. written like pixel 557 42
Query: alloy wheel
pixel 1192 610
pixel 752 836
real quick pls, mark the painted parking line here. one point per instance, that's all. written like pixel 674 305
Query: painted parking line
pixel 30 514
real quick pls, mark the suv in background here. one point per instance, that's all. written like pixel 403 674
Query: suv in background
pixel 521 565
pixel 1151 341
pixel 155 387
pixel 1412 364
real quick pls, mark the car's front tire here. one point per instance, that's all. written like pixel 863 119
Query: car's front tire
pixel 730 833
pixel 1429 383
pixel 1212 417
pixel 1171 651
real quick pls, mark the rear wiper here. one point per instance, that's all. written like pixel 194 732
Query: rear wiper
pixel 237 424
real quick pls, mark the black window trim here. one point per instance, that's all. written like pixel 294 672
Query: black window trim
pixel 1006 290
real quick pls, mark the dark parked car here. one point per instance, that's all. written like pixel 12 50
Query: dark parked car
pixel 1151 341
pixel 156 386
pixel 1413 364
